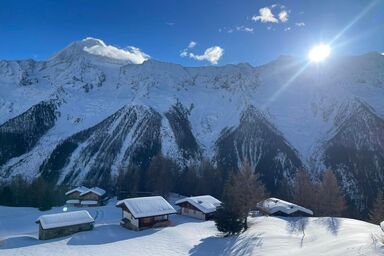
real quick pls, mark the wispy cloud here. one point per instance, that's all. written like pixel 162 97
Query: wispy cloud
pixel 170 23
pixel 212 54
pixel 287 29
pixel 300 24
pixel 192 44
pixel 265 16
pixel 184 53
pixel 241 28
pixel 244 29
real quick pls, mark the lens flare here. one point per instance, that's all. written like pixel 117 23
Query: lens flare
pixel 319 52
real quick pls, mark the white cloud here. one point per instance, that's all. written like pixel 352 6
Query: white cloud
pixel 131 54
pixel 283 16
pixel 265 16
pixel 212 54
pixel 300 24
pixel 287 29
pixel 184 53
pixel 192 44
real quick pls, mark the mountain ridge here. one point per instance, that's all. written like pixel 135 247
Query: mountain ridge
pixel 196 108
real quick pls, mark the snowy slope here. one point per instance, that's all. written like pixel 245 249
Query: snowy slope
pixel 303 107
pixel 186 236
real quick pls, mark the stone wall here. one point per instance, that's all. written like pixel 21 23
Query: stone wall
pixel 45 234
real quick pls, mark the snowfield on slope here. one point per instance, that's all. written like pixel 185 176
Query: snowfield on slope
pixel 186 236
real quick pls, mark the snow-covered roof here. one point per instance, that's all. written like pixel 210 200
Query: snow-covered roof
pixel 206 203
pixel 273 205
pixel 80 189
pixel 64 219
pixel 88 202
pixel 72 201
pixel 147 206
pixel 98 191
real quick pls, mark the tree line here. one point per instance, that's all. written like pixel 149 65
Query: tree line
pixel 40 193
pixel 239 190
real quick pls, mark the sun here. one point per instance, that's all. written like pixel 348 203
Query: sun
pixel 319 52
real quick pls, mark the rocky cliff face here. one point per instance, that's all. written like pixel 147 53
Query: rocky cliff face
pixel 257 141
pixel 21 133
pixel 356 154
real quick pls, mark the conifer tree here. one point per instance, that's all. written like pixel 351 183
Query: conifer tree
pixel 243 191
pixel 376 215
pixel 227 221
pixel 331 199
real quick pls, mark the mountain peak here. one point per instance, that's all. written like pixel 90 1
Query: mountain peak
pixel 96 49
pixel 90 42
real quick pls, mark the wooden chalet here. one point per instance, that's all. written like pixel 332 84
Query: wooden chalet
pixel 73 196
pixel 63 224
pixel 278 207
pixel 85 197
pixel 200 207
pixel 92 197
pixel 144 212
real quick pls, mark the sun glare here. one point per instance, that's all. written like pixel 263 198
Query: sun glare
pixel 319 53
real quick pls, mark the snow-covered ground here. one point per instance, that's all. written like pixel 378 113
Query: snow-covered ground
pixel 187 236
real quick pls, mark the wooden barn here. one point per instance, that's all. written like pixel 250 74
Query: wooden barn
pixel 144 212
pixel 73 195
pixel 85 197
pixel 63 224
pixel 95 194
pixel 278 207
pixel 200 207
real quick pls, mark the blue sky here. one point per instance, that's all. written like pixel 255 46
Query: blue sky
pixel 164 29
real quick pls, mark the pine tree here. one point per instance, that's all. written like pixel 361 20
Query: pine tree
pixel 162 174
pixel 243 191
pixel 127 182
pixel 210 180
pixel 227 221
pixel 331 199
pixel 376 215
pixel 304 192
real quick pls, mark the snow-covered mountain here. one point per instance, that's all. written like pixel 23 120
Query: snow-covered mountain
pixel 90 110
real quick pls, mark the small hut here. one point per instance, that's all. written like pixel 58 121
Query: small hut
pixel 63 224
pixel 200 207
pixel 145 212
pixel 278 207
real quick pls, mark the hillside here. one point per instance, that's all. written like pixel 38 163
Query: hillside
pixel 83 116
pixel 266 236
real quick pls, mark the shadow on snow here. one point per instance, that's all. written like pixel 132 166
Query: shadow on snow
pixel 103 234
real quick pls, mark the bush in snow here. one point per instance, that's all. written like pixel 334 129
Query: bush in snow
pixel 228 221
